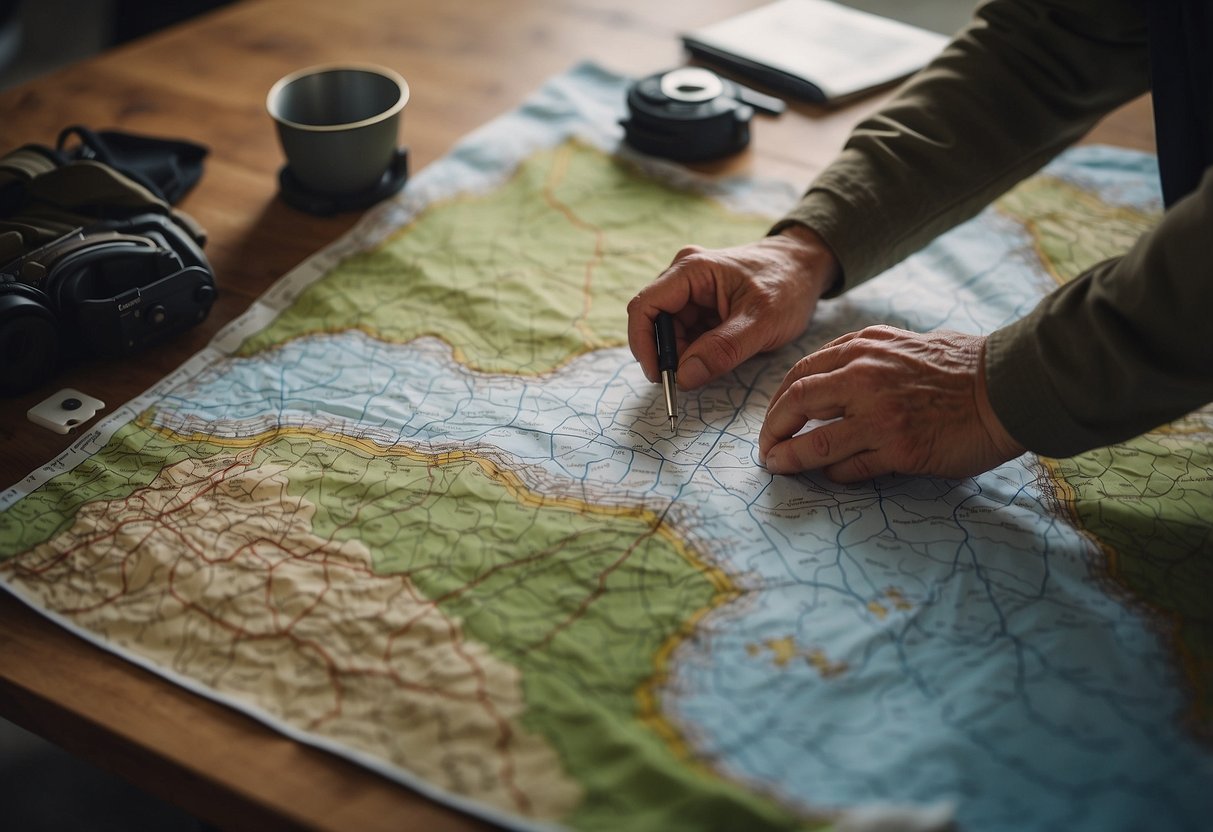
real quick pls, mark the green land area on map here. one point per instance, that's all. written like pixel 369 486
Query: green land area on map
pixel 524 278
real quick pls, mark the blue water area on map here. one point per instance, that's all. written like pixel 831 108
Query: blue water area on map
pixel 904 641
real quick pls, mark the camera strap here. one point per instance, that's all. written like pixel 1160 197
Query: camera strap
pixel 46 193
pixel 166 167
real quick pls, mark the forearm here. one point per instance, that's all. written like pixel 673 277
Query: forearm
pixel 1021 83
pixel 1120 349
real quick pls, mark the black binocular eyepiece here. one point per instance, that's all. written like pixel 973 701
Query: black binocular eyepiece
pixel 111 289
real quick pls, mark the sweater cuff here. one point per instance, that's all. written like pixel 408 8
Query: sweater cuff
pixel 1023 396
pixel 832 217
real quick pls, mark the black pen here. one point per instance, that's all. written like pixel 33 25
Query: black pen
pixel 667 361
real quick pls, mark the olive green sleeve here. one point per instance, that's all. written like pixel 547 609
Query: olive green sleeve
pixel 1022 82
pixel 1118 350
pixel 1121 349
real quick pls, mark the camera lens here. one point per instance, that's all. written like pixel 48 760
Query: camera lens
pixel 70 404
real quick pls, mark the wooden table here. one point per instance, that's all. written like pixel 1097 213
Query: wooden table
pixel 467 61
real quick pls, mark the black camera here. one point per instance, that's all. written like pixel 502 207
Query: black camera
pixel 691 114
pixel 110 288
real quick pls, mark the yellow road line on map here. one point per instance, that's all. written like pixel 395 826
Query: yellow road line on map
pixel 647 694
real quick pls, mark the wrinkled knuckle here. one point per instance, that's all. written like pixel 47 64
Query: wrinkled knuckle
pixel 634 306
pixel 880 332
pixel 857 354
pixel 797 391
pixel 687 251
pixel 869 375
pixel 819 441
pixel 861 465
pixel 723 351
pixel 803 367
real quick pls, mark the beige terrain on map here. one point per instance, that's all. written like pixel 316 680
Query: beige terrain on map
pixel 297 626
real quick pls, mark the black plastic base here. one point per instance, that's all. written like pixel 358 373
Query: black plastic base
pixel 297 196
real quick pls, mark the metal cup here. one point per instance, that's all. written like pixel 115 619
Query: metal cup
pixel 338 124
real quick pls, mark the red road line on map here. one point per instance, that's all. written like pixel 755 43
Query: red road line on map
pixel 598 592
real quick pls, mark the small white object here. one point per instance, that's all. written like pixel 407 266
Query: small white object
pixel 65 410
pixel 692 85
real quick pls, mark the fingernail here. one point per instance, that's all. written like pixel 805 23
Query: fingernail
pixel 692 372
pixel 775 464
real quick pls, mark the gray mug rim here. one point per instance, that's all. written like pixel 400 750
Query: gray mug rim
pixel 373 69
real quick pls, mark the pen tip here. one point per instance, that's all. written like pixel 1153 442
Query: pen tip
pixel 673 429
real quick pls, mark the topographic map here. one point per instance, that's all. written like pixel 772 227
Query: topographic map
pixel 420 507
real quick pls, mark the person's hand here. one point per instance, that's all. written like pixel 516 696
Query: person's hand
pixel 894 402
pixel 729 304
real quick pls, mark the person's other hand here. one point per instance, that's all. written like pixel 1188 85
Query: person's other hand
pixel 894 402
pixel 729 304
